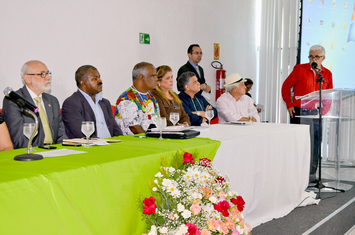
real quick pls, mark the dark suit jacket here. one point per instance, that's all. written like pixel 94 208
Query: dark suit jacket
pixel 15 119
pixel 76 109
pixel 188 67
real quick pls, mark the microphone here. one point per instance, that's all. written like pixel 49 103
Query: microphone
pixel 19 100
pixel 314 65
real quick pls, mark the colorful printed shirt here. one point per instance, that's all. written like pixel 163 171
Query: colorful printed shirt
pixel 135 108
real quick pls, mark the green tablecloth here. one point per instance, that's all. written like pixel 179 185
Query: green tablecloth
pixel 91 193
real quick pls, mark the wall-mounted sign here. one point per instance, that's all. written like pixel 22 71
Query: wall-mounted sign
pixel 144 38
pixel 216 51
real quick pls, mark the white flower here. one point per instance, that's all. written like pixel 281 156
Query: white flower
pixel 154 189
pixel 153 230
pixel 158 175
pixel 166 182
pixel 156 181
pixel 171 169
pixel 180 207
pixel 176 215
pixel 186 214
pixel 212 199
pixel 183 228
pixel 196 195
pixel 163 230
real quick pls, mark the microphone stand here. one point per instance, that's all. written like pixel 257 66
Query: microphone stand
pixel 29 156
pixel 319 184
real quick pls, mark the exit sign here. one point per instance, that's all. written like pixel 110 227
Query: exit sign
pixel 144 38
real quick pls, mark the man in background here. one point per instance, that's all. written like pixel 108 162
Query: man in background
pixel 303 81
pixel 86 104
pixel 37 85
pixel 194 103
pixel 194 53
pixel 234 105
pixel 136 108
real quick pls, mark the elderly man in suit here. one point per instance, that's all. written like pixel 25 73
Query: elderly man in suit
pixel 37 84
pixel 87 104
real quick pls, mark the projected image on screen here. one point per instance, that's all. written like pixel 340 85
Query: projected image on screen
pixel 331 23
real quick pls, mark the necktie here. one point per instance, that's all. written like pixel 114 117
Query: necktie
pixel 198 71
pixel 42 114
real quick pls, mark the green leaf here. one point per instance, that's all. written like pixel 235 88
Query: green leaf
pixel 160 220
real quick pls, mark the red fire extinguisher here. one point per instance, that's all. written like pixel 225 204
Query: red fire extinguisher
pixel 220 78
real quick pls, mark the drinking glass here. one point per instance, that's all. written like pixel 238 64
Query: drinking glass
pixel 174 118
pixel 87 128
pixel 161 124
pixel 209 115
pixel 28 129
pixel 250 113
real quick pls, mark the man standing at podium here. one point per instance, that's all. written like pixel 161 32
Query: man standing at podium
pixel 303 81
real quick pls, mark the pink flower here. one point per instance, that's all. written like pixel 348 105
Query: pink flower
pixel 222 227
pixel 205 232
pixel 235 232
pixel 207 192
pixel 212 224
pixel 188 158
pixel 229 223
pixel 192 229
pixel 248 228
pixel 222 194
pixel 195 209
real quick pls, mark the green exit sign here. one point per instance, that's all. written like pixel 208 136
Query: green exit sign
pixel 144 38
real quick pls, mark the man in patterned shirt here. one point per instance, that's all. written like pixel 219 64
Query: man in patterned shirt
pixel 136 108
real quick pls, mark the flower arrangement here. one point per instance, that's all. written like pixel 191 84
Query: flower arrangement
pixel 192 199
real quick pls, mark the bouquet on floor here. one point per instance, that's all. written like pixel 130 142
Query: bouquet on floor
pixel 192 199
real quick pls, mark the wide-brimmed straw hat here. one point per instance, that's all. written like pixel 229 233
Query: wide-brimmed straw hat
pixel 233 79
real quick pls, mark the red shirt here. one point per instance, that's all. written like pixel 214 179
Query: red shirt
pixel 303 80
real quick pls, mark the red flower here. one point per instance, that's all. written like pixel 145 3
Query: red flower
pixel 221 179
pixel 192 229
pixel 149 207
pixel 188 158
pixel 205 162
pixel 222 207
pixel 239 201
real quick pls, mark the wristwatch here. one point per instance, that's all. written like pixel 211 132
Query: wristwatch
pixel 198 113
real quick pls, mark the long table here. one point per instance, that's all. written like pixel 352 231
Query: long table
pixel 90 193
pixel 268 164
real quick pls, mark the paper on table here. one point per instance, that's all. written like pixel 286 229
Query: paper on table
pixel 60 152
pixel 92 140
pixel 260 106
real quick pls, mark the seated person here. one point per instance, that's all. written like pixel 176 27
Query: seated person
pixel 37 84
pixel 136 108
pixel 5 140
pixel 86 104
pixel 248 85
pixel 194 103
pixel 234 105
pixel 167 99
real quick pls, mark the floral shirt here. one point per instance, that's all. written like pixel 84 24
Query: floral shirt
pixel 135 108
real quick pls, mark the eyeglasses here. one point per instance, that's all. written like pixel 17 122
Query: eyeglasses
pixel 197 53
pixel 315 57
pixel 43 74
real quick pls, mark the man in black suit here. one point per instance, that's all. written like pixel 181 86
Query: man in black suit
pixel 194 53
pixel 87 104
pixel 37 81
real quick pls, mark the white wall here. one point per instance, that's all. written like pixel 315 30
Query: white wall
pixel 105 33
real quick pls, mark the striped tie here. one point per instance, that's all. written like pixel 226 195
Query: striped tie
pixel 42 114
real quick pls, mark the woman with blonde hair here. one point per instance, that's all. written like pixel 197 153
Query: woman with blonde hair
pixel 5 140
pixel 167 99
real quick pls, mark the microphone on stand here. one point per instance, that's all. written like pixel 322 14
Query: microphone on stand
pixel 314 65
pixel 19 100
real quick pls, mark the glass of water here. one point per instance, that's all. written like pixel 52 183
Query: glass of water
pixel 87 128
pixel 161 124
pixel 174 118
pixel 28 129
pixel 209 114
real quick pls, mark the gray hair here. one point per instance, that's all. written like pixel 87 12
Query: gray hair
pixel 184 79
pixel 230 88
pixel 140 69
pixel 317 48
pixel 23 72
